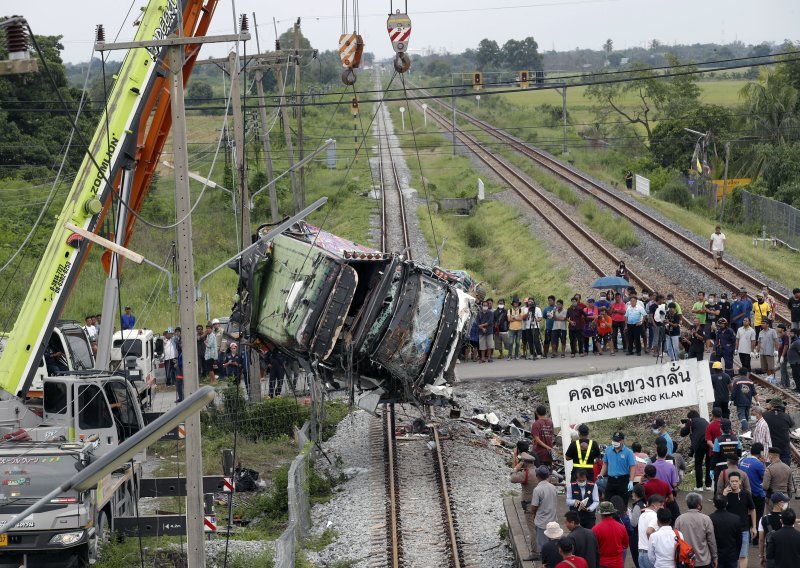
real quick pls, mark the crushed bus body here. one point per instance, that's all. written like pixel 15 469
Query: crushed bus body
pixel 388 328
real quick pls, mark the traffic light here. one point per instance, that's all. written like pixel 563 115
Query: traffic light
pixel 523 79
pixel 477 80
pixel 540 77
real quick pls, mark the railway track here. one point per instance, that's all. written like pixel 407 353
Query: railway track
pixel 421 526
pixel 602 260
pixel 729 275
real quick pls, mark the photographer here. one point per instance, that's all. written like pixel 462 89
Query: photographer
pixel 697 337
pixel 672 325
pixel 657 311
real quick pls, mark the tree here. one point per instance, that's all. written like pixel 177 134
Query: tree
pixel 655 97
pixel 608 46
pixel 672 146
pixel 488 54
pixel 200 91
pixel 772 108
pixel 34 139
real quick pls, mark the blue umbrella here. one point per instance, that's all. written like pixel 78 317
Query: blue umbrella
pixel 610 282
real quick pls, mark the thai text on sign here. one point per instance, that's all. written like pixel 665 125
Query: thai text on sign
pixel 626 392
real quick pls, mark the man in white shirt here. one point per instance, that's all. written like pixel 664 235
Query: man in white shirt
pixel 648 524
pixel 745 342
pixel 635 316
pixel 717 245
pixel 661 550
pixel 170 356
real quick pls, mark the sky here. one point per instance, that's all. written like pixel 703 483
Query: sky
pixel 451 25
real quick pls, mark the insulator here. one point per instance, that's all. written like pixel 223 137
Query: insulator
pixel 244 25
pixel 100 34
pixel 16 36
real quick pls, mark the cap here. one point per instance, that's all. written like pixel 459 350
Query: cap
pixel 169 330
pixel 583 429
pixel 515 299
pixel 776 498
pixel 776 402
pixel 774 450
pixel 658 423
pixel 618 436
pixel 606 508
pixel 526 457
pixel 723 295
pixel 716 365
pixel 722 320
pixel 215 320
pixel 590 300
pixel 234 344
pixel 543 471
pixel 553 530
pixel 127 307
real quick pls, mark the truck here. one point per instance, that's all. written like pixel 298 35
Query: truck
pixel 133 354
pixel 392 327
pixel 58 412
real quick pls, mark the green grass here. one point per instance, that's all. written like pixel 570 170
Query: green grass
pixel 613 228
pixel 782 265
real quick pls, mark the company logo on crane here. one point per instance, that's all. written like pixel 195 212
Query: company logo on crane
pixel 164 26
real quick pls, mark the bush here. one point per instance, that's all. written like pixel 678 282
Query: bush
pixel 675 191
pixel 266 419
pixel 475 235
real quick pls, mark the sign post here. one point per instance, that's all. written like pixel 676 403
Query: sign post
pixel 425 113
pixel 639 390
pixel 403 117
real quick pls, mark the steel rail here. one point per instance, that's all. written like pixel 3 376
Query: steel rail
pixel 685 247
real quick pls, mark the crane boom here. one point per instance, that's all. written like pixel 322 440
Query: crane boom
pixel 113 143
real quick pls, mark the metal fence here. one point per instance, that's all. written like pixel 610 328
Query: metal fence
pixel 779 220
pixel 299 505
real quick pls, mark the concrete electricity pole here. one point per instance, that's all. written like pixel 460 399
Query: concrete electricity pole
pixel 287 133
pixel 240 158
pixel 262 114
pixel 176 45
pixel 299 108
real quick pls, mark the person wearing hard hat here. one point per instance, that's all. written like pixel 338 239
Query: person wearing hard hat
pixel 721 381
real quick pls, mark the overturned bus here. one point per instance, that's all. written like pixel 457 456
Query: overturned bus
pixel 388 328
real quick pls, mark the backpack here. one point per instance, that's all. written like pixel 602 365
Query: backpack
pixel 684 553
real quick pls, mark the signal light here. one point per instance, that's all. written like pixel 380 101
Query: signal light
pixel 477 80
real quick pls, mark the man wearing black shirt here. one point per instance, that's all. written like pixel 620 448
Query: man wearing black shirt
pixel 583 452
pixel 780 424
pixel 672 324
pixel 695 426
pixel 712 315
pixel 727 533
pixel 722 388
pixel 697 337
pixel 740 503
pixel 724 307
pixel 794 308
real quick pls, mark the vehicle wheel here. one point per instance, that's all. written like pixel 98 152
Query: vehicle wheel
pixel 101 536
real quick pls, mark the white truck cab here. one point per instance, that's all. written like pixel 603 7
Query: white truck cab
pixel 133 354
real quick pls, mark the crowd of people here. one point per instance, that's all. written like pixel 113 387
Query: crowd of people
pixel 723 327
pixel 625 500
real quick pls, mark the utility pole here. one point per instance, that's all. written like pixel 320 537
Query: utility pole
pixel 176 45
pixel 725 180
pixel 287 133
pixel 191 379
pixel 240 158
pixel 262 113
pixel 453 104
pixel 564 115
pixel 299 107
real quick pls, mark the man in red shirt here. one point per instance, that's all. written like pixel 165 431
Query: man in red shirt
pixel 713 432
pixel 543 436
pixel 612 537
pixel 566 546
pixel 653 485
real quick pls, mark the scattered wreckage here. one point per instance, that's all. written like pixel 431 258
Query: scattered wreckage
pixel 385 327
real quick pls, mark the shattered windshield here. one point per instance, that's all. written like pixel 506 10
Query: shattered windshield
pixel 386 313
pixel 409 360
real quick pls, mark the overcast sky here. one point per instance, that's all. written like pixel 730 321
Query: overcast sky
pixel 453 25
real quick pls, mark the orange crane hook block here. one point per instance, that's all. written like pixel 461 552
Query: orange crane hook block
pixel 351 47
pixel 399 27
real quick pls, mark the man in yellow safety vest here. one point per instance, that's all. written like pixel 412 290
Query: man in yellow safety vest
pixel 583 452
